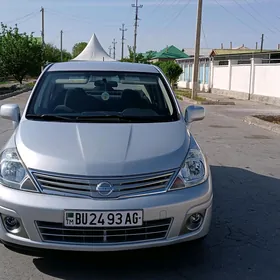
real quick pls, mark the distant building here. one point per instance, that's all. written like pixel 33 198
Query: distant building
pixel 203 52
pixel 168 53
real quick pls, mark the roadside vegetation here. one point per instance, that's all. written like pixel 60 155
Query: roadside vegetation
pixel 22 55
pixel 269 118
pixel 188 94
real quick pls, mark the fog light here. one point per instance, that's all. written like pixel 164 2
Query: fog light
pixel 11 224
pixel 194 222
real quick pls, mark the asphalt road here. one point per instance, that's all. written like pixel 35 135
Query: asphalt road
pixel 244 242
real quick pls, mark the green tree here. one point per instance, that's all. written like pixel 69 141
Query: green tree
pixel 139 58
pixel 78 48
pixel 3 73
pixel 150 54
pixel 53 54
pixel 20 53
pixel 171 69
pixel 66 55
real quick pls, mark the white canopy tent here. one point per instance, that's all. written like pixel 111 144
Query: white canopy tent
pixel 94 52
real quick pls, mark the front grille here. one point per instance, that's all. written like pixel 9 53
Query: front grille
pixel 86 186
pixel 58 233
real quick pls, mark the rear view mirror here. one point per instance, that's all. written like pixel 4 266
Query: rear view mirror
pixel 194 113
pixel 100 83
pixel 11 112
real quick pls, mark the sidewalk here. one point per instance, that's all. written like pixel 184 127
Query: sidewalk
pixel 215 97
pixel 240 102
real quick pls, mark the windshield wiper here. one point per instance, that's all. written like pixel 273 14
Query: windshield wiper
pixel 122 118
pixel 49 117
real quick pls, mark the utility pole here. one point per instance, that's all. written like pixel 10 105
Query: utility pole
pixel 123 30
pixel 110 51
pixel 43 34
pixel 136 6
pixel 61 47
pixel 114 48
pixel 262 39
pixel 197 48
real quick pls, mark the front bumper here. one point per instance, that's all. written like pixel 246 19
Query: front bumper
pixel 31 207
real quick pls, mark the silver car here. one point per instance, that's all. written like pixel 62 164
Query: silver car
pixel 102 159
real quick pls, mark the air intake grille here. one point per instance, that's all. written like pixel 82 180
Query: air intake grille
pixel 57 233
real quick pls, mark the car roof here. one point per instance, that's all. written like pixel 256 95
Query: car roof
pixel 102 66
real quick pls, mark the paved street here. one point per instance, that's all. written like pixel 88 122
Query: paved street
pixel 244 241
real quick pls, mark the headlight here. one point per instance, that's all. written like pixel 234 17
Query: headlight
pixel 193 172
pixel 12 171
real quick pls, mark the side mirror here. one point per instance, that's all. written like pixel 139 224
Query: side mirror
pixel 11 112
pixel 194 113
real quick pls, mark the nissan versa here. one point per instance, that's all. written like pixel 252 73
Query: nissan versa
pixel 102 159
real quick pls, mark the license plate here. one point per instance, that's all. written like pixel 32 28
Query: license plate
pixel 103 219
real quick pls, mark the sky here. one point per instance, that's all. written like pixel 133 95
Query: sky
pixel 162 22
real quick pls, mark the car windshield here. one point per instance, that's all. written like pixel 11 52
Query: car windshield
pixel 102 96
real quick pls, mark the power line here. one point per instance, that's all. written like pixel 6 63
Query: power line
pixel 76 18
pixel 171 6
pixel 250 14
pixel 27 19
pixel 70 16
pixel 158 5
pixel 228 11
pixel 29 16
pixel 260 14
pixel 177 15
pixel 204 36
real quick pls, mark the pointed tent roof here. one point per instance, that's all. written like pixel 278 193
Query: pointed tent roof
pixel 94 51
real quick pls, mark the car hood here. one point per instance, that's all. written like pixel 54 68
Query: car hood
pixel 102 149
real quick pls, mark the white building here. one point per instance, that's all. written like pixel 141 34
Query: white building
pixel 239 73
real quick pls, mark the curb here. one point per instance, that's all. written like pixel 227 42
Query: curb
pixel 208 102
pixel 188 100
pixel 262 124
pixel 14 93
pixel 217 102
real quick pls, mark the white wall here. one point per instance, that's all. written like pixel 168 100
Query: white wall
pixel 240 78
pixel 221 77
pixel 255 78
pixel 183 84
pixel 267 78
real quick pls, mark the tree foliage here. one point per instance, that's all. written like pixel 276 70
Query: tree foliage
pixel 78 48
pixel 171 70
pixel 53 54
pixel 20 53
pixel 139 58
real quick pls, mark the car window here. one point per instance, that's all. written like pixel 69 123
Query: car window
pixel 82 94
